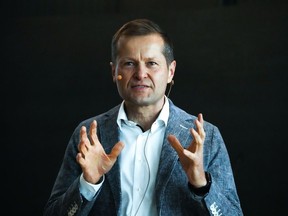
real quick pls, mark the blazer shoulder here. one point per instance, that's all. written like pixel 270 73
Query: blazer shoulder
pixel 100 118
pixel 178 114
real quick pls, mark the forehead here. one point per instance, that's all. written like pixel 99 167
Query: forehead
pixel 140 43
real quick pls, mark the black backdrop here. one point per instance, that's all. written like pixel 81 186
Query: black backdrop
pixel 232 63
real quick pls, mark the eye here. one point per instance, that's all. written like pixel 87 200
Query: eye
pixel 129 64
pixel 151 63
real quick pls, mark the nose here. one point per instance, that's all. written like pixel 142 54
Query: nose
pixel 141 71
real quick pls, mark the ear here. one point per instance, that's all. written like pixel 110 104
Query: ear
pixel 113 69
pixel 171 68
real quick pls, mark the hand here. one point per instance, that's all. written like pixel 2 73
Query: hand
pixel 92 157
pixel 191 158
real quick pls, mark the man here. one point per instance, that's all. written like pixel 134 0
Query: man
pixel 145 156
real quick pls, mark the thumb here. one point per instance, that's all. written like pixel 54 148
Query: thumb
pixel 116 150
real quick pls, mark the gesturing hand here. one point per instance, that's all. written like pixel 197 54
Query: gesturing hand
pixel 92 157
pixel 191 158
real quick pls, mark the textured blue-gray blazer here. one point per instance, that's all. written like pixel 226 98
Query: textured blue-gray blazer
pixel 173 196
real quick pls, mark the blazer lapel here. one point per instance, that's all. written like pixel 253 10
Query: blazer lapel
pixel 179 124
pixel 108 130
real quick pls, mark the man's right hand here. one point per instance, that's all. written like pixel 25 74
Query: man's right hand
pixel 92 158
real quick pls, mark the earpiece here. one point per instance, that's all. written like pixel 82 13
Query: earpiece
pixel 170 87
pixel 119 77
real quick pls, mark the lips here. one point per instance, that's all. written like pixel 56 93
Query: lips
pixel 140 86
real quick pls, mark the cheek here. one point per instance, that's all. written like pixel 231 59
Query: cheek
pixel 126 73
pixel 161 79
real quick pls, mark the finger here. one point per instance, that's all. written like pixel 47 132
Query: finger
pixel 116 150
pixel 199 124
pixel 93 132
pixel 189 154
pixel 82 148
pixel 80 158
pixel 83 134
pixel 200 117
pixel 175 144
pixel 83 139
pixel 196 136
pixel 197 143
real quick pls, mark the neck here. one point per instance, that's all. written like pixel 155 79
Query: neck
pixel 143 115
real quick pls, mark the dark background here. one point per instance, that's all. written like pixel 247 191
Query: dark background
pixel 232 63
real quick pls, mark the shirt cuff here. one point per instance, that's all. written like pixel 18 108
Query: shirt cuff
pixel 89 190
pixel 202 191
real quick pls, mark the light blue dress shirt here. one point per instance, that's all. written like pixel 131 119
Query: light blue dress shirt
pixel 139 162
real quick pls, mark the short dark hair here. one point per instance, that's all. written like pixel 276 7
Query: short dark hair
pixel 142 27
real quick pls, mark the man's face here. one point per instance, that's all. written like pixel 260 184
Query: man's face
pixel 143 68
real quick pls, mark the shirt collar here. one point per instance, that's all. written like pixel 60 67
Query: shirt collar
pixel 163 116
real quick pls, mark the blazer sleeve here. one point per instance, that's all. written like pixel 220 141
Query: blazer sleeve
pixel 222 198
pixel 65 198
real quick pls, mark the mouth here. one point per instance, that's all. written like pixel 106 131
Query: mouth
pixel 139 87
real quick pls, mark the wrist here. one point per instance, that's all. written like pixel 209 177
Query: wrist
pixel 201 191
